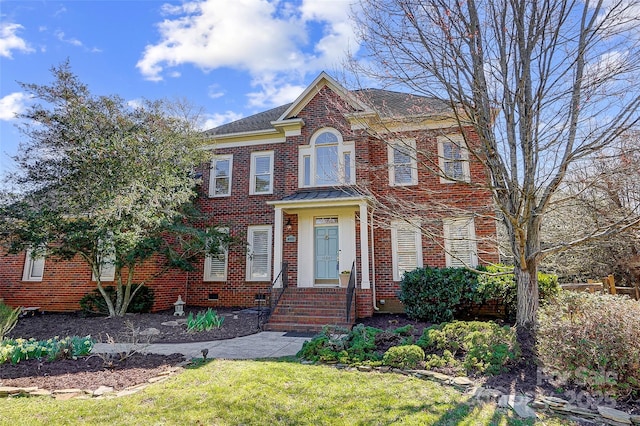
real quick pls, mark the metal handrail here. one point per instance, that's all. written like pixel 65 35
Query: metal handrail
pixel 284 273
pixel 285 282
pixel 351 289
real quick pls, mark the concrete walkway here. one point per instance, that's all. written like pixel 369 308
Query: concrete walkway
pixel 266 344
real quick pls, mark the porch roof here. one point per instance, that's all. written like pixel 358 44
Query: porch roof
pixel 329 196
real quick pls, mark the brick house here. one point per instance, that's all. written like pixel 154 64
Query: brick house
pixel 335 181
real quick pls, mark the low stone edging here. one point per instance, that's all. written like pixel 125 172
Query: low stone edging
pixel 99 393
pixel 524 405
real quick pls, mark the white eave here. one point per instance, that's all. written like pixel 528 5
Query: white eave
pixel 314 88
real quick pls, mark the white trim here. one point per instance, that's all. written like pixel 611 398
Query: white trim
pixel 365 283
pixel 209 258
pixel 342 147
pixel 408 146
pixel 277 246
pixel 251 232
pixel 458 141
pixel 33 267
pixel 212 177
pixel 252 181
pixel 242 143
pixel 106 264
pixel 322 80
pixel 460 259
pixel 401 225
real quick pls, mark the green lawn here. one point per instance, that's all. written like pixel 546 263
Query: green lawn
pixel 265 393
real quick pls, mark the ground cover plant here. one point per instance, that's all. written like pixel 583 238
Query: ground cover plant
pixel 592 340
pixel 267 392
pixel 459 347
pixel 359 345
pixel 16 350
pixel 471 347
pixel 204 321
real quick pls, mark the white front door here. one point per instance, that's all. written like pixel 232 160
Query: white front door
pixel 326 254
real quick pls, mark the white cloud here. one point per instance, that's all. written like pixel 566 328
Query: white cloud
pixel 135 103
pixel 9 40
pixel 214 91
pixel 262 37
pixel 210 121
pixel 13 104
pixel 60 35
pixel 273 92
pixel 73 41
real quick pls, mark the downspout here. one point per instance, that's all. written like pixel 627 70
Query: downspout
pixel 373 263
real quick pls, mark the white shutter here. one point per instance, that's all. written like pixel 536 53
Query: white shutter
pixel 259 253
pixel 460 244
pixel 215 265
pixel 407 256
pixel 218 266
pixel 406 248
pixel 33 267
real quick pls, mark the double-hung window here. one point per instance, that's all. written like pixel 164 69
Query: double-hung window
pixel 259 253
pixel 220 176
pixel 261 173
pixel 215 265
pixel 327 160
pixel 406 246
pixel 33 266
pixel 453 158
pixel 403 168
pixel 460 242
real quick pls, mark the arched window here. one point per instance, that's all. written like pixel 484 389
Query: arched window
pixel 327 160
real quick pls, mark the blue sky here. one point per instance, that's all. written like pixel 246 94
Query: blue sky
pixel 233 58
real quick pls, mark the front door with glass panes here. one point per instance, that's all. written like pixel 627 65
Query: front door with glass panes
pixel 326 249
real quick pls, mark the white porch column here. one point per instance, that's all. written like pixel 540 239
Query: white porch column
pixel 365 282
pixel 277 245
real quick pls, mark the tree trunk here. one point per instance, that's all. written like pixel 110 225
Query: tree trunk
pixel 527 282
pixel 126 294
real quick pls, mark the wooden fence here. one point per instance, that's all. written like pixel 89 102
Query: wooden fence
pixel 607 285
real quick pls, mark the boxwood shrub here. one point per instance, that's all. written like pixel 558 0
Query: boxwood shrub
pixel 436 294
pixel 504 287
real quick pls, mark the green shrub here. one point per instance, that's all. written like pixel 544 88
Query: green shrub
pixel 341 345
pixel 204 321
pixel 8 319
pixel 436 294
pixel 593 340
pixel 403 356
pixel 16 350
pixel 481 347
pixel 504 287
pixel 93 302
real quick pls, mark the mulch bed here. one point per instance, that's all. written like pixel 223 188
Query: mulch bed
pixel 92 372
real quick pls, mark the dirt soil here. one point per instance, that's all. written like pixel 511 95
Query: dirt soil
pixel 94 371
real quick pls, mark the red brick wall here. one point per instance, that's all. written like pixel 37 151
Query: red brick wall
pixel 65 283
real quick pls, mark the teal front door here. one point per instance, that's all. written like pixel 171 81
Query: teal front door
pixel 326 255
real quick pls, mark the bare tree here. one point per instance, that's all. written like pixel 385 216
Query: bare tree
pixel 546 85
pixel 600 193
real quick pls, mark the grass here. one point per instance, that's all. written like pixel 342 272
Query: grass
pixel 268 392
